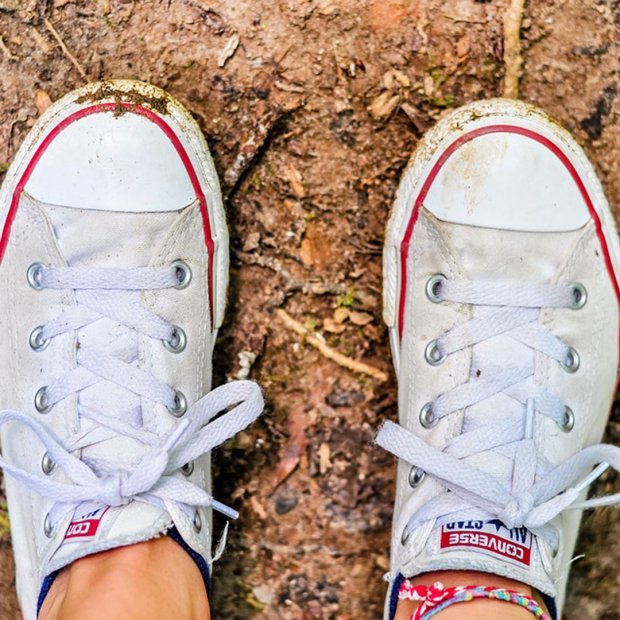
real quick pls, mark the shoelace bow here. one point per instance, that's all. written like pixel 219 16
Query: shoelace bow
pixel 106 293
pixel 537 492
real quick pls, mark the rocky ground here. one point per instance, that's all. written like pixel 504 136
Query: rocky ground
pixel 311 109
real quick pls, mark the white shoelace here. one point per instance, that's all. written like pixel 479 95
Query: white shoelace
pixel 535 492
pixel 115 294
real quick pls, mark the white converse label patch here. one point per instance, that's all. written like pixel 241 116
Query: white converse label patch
pixel 85 523
pixel 490 537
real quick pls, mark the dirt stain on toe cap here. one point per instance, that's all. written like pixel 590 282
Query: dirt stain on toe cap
pixel 128 99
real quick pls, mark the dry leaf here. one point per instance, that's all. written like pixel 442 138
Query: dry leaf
pixel 383 105
pixel 251 241
pixel 402 79
pixel 341 315
pixel 324 458
pixel 305 252
pixel 315 248
pixel 360 318
pixel 228 51
pixel 291 452
pixel 429 85
pixel 411 112
pixel 388 80
pixel 42 101
pixel 462 48
pixel 333 327
pixel 293 176
pixel 418 120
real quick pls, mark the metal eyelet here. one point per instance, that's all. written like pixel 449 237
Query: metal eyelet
pixel 33 275
pixel 568 423
pixel 433 287
pixel 571 361
pixel 433 354
pixel 416 476
pixel 37 342
pixel 40 401
pixel 178 340
pixel 48 526
pixel 48 465
pixel 197 521
pixel 180 404
pixel 184 273
pixel 404 537
pixel 188 469
pixel 427 417
pixel 580 296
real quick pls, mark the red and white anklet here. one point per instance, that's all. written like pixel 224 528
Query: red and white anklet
pixel 435 598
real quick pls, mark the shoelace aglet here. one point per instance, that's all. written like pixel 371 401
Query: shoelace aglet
pixel 178 432
pixel 588 480
pixel 224 509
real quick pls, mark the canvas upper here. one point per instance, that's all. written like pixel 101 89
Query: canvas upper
pixel 114 263
pixel 501 294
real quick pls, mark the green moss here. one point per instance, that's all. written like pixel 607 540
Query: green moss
pixel 441 102
pixel 348 299
pixel 5 525
pixel 311 323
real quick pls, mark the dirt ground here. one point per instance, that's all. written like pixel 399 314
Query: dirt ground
pixel 311 109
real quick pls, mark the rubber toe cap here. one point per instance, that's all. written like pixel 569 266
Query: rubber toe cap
pixel 110 161
pixel 507 177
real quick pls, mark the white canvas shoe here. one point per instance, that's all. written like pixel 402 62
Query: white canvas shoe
pixel 501 295
pixel 114 266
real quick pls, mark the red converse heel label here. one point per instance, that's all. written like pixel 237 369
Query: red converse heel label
pixel 84 525
pixel 490 537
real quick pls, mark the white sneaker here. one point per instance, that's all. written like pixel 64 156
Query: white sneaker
pixel 501 295
pixel 114 254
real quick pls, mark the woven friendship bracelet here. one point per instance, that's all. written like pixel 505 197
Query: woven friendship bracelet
pixel 436 598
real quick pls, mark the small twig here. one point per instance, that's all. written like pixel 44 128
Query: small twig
pixel 512 48
pixel 327 351
pixel 289 88
pixel 291 283
pixel 74 61
pixel 282 55
pixel 463 19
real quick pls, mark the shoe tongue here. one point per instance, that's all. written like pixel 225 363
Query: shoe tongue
pixel 109 239
pixel 525 256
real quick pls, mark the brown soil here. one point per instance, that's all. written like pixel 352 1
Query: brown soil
pixel 311 108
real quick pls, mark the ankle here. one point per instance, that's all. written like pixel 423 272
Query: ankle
pixel 484 609
pixel 104 585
